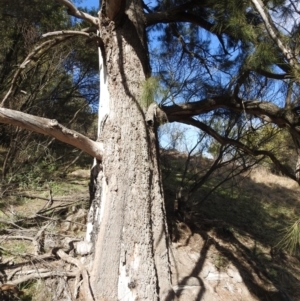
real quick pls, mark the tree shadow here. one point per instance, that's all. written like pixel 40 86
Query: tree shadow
pixel 245 229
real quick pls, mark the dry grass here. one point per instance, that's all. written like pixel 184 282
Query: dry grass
pixel 245 218
pixel 264 176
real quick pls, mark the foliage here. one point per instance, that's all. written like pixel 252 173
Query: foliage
pixel 62 85
pixel 149 88
pixel 291 238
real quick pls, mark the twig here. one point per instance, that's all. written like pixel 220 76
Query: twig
pixel 50 200
pixel 74 11
pixel 42 275
pixel 86 284
pixel 42 47
pixel 64 199
pixel 275 34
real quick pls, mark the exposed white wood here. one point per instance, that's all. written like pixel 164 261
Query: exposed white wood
pixel 124 292
pixel 103 113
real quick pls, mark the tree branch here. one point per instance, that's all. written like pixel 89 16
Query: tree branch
pixel 279 116
pixel 295 7
pixel 38 275
pixel 273 75
pixel 224 140
pixel 61 36
pixel 75 12
pixel 65 32
pixel 40 49
pixel 180 14
pixel 275 34
pixel 86 283
pixel 177 15
pixel 51 128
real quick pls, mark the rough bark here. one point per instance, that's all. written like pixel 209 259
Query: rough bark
pixel 128 230
pixel 297 169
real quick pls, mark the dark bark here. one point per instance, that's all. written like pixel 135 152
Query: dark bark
pixel 261 109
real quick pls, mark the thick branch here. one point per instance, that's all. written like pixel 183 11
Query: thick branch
pixel 38 275
pixel 178 14
pixel 65 32
pixel 86 283
pixel 73 11
pixel 277 115
pixel 51 128
pixel 273 75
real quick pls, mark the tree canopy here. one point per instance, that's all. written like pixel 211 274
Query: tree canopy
pixel 228 60
pixel 228 68
pixel 211 59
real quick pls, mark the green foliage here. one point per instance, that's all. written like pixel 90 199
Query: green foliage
pixel 221 262
pixel 263 56
pixel 290 240
pixel 150 88
pixel 60 84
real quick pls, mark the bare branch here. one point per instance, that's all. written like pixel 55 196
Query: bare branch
pixel 51 128
pixel 86 283
pixel 65 32
pixel 189 52
pixel 75 12
pixel 273 75
pixel 224 140
pixel 71 33
pixel 38 275
pixel 275 114
pixel 42 48
pixel 177 15
pixel 295 7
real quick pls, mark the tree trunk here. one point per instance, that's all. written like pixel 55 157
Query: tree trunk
pixel 127 224
pixel 297 170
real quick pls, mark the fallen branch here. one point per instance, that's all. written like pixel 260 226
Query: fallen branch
pixel 61 199
pixel 39 275
pixel 86 283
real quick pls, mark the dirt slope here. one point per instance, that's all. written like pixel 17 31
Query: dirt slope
pixel 223 250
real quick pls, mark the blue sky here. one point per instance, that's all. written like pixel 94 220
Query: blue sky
pixel 90 3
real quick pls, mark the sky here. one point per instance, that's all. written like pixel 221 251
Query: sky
pixel 90 3
pixel 190 133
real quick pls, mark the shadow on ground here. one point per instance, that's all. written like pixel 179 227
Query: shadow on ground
pixel 225 248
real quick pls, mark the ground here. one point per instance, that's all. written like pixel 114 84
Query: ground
pixel 222 249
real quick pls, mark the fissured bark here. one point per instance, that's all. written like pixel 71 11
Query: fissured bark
pixel 130 253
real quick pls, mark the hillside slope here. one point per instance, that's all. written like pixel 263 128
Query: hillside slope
pixel 222 249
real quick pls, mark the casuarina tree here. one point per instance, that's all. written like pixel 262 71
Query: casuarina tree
pixel 225 57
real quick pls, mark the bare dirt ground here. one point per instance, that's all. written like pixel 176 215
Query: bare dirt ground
pixel 222 251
